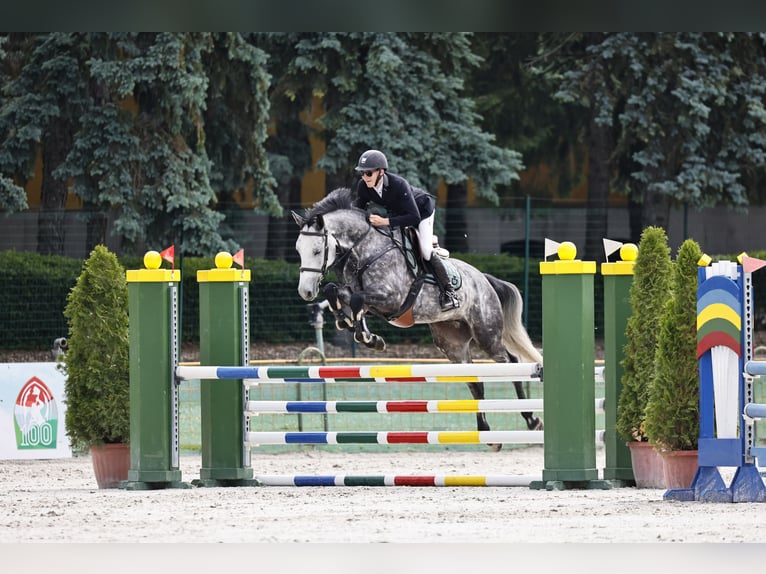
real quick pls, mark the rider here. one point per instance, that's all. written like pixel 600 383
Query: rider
pixel 407 206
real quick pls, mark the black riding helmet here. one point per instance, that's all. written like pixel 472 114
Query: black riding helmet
pixel 372 159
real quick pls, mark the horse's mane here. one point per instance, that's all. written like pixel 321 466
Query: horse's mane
pixel 340 198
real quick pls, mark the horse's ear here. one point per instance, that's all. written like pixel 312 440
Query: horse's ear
pixel 299 219
pixel 319 222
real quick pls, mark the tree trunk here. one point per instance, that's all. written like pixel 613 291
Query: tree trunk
pixel 53 192
pixel 652 208
pixel 456 229
pixel 599 147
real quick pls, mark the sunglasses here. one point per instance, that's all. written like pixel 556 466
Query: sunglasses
pixel 367 173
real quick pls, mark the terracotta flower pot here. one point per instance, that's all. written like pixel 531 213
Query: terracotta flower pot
pixel 680 467
pixel 648 465
pixel 111 463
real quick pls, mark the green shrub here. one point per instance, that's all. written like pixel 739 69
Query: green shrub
pixel 672 411
pixel 96 363
pixel 648 296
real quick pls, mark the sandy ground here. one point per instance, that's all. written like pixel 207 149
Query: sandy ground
pixel 58 501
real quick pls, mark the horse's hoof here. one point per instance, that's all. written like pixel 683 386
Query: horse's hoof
pixel 495 447
pixel 380 344
pixel 536 424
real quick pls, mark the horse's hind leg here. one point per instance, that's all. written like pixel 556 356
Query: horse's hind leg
pixel 477 392
pixel 499 354
pixel 454 339
pixel 533 423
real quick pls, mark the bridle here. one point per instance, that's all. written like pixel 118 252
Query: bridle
pixel 323 234
pixel 344 254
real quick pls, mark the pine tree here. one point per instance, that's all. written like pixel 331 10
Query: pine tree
pixel 147 127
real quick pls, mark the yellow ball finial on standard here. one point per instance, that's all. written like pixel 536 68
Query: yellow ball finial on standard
pixel 152 260
pixel 223 260
pixel 628 252
pixel 567 251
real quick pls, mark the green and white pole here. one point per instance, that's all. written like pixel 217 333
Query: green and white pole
pixel 224 341
pixel 154 349
pixel 618 277
pixel 568 373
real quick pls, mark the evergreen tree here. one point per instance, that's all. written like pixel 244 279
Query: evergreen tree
pixel 648 295
pixel 147 127
pixel 672 410
pixel 402 93
pixel 44 96
pixel 685 110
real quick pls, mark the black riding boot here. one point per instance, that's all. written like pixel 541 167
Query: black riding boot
pixel 448 298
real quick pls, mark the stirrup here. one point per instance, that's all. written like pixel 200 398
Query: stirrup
pixel 449 300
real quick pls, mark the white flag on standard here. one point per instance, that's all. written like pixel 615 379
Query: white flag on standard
pixel 610 246
pixel 551 247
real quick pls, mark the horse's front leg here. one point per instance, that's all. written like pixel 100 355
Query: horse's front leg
pixel 361 333
pixel 338 298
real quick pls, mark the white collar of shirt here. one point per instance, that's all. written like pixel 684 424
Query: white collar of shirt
pixel 379 188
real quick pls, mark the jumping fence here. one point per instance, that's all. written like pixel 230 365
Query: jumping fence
pixel 569 399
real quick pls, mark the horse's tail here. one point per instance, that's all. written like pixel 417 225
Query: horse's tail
pixel 515 337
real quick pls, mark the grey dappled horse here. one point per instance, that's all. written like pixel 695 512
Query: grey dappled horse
pixel 374 276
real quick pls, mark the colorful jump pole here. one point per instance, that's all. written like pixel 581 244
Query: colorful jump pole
pixel 154 346
pixel 568 374
pixel 224 340
pixel 618 277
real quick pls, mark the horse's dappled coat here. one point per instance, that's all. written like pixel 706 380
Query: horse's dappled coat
pixel 373 277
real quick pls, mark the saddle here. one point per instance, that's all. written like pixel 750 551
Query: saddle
pixel 422 273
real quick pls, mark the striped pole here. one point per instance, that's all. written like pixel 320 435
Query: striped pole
pixel 403 437
pixel 434 406
pixel 394 480
pixel 396 437
pixel 442 373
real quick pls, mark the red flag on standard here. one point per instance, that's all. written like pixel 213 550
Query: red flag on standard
pixel 239 258
pixel 169 255
pixel 750 264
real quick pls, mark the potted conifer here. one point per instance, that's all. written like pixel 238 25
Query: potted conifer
pixel 672 410
pixel 649 293
pixel 96 366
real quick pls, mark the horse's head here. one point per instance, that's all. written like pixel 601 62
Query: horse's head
pixel 317 249
pixel 330 229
